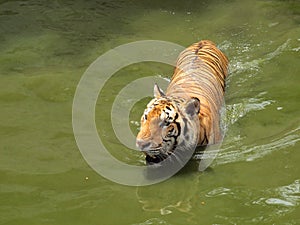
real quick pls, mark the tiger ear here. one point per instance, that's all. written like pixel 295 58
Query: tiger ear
pixel 193 106
pixel 158 92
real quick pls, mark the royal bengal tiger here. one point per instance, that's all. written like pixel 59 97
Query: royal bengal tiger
pixel 189 112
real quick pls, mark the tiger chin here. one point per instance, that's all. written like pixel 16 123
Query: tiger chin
pixel 188 114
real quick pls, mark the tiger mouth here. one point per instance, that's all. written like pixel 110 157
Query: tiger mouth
pixel 153 151
pixel 156 155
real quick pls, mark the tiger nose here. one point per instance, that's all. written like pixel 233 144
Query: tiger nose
pixel 141 144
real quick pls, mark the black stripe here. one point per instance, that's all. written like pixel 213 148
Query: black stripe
pixel 205 139
pixel 185 126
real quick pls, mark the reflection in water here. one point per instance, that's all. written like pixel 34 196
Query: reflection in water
pixel 153 221
pixel 275 201
pixel 170 197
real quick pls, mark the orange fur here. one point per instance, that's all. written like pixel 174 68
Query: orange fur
pixel 200 72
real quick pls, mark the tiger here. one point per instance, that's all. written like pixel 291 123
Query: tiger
pixel 188 113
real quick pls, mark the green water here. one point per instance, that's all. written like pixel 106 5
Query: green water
pixel 45 47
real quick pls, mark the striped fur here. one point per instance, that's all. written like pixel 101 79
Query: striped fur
pixel 200 72
pixel 191 105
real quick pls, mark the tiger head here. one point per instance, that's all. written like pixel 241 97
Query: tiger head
pixel 168 124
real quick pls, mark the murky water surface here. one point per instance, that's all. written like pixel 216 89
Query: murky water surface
pixel 45 47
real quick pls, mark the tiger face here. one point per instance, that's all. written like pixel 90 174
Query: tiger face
pixel 166 125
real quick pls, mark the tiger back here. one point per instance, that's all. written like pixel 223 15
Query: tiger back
pixel 200 73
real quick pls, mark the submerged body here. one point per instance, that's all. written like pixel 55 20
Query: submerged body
pixel 188 114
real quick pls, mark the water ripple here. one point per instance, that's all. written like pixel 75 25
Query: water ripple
pixel 239 65
pixel 250 153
